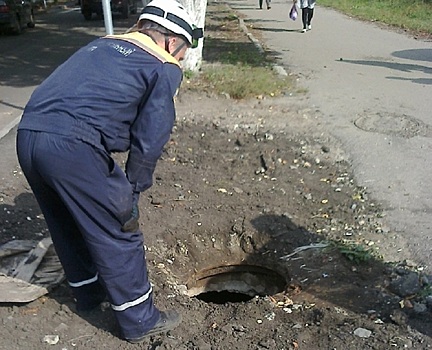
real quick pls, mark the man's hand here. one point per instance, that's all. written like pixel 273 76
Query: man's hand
pixel 132 225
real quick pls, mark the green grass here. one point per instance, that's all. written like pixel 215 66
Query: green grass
pixel 233 65
pixel 355 252
pixel 242 81
pixel 425 291
pixel 414 15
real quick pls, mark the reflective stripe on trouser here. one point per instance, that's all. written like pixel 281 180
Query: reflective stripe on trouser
pixel 89 293
pixel 84 282
pixel 85 198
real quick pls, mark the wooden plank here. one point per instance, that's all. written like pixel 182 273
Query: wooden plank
pixel 17 291
pixel 28 266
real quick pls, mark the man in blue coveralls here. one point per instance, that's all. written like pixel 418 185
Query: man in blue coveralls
pixel 113 95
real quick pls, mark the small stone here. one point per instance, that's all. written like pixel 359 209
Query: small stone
pixel 420 308
pixel 270 316
pixel 238 328
pixel 401 343
pixel 51 339
pixel 182 289
pixel 268 344
pixel 406 285
pixel 62 327
pixel 156 201
pixel 398 317
pixel 410 263
pixel 362 333
pixel 406 303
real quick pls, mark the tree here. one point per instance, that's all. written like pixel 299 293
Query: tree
pixel 197 10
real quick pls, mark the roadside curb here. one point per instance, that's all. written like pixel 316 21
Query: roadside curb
pixel 279 69
pixel 6 129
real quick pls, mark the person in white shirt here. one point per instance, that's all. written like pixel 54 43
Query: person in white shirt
pixel 307 7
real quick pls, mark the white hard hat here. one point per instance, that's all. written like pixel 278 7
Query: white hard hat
pixel 171 15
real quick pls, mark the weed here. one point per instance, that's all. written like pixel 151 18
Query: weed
pixel 425 291
pixel 188 74
pixel 241 81
pixel 355 252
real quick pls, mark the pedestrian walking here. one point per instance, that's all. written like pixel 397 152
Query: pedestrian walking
pixel 307 7
pixel 116 94
pixel 267 4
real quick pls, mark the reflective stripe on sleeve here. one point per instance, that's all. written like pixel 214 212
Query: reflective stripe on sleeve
pixel 135 302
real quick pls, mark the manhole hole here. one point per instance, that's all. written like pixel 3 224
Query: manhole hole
pixel 235 283
pixel 391 124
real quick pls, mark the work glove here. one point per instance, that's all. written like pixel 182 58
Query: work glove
pixel 132 225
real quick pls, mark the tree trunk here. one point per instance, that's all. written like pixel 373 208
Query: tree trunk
pixel 197 10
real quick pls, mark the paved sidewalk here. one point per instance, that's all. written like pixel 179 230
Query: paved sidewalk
pixel 11 108
pixel 371 88
pixel 14 99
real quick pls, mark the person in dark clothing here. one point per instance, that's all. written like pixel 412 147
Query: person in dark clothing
pixel 116 94
pixel 307 7
pixel 268 2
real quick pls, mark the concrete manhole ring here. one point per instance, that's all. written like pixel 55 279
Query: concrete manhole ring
pixel 249 280
pixel 390 124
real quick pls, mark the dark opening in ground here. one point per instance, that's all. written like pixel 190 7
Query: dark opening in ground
pixel 223 297
pixel 235 283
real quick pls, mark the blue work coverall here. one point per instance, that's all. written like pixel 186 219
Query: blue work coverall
pixel 113 95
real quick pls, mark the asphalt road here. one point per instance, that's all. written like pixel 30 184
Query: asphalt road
pixel 372 88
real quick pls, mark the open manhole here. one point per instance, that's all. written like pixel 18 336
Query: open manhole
pixel 235 283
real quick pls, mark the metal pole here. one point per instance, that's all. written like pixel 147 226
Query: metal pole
pixel 106 6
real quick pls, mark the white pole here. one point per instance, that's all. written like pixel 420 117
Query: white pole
pixel 106 6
